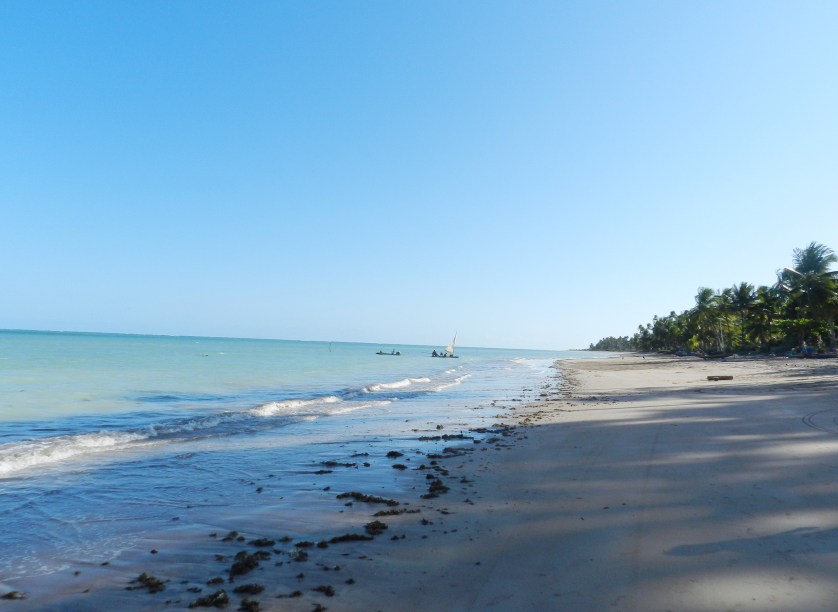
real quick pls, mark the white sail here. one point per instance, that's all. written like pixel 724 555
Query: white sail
pixel 450 347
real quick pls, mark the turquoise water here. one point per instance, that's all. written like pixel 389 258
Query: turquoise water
pixel 103 437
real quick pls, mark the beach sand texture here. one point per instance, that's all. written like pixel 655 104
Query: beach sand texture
pixel 634 484
pixel 645 486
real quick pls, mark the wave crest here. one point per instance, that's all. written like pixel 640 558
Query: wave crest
pixel 391 386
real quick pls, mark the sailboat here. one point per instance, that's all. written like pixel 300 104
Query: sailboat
pixel 449 350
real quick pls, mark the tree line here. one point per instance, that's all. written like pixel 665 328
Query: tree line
pixel 797 313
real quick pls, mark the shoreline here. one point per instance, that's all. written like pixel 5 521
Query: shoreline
pixel 632 483
pixel 638 484
pixel 193 558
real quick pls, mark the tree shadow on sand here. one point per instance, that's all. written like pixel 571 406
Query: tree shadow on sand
pixel 676 500
pixel 802 540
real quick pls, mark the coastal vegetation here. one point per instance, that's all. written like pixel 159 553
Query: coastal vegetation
pixel 797 313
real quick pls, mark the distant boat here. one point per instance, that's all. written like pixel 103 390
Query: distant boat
pixel 393 352
pixel 449 350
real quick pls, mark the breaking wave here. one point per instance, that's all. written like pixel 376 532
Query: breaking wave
pixel 19 456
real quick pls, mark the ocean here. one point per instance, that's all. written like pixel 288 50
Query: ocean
pixel 107 440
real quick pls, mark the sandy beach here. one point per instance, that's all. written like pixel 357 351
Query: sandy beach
pixel 644 486
pixel 635 483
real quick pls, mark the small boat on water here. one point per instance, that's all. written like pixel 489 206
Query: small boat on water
pixel 449 350
pixel 393 352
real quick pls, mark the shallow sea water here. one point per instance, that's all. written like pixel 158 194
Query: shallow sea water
pixel 106 440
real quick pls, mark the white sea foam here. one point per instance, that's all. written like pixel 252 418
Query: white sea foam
pixel 17 456
pixel 162 429
pixel 399 384
pixel 291 407
pixel 453 383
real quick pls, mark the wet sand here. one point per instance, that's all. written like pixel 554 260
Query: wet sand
pixel 634 484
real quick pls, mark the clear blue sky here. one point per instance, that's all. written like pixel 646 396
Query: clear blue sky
pixel 529 174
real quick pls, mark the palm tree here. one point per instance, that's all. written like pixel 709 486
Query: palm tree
pixel 813 285
pixel 666 333
pixel 804 299
pixel 724 307
pixel 816 259
pixel 705 314
pixel 767 305
pixel 742 300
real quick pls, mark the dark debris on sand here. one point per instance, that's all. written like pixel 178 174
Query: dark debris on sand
pixel 246 561
pixel 375 528
pixel 219 599
pixel 369 499
pixel 144 581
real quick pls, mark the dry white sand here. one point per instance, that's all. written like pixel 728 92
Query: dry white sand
pixel 636 484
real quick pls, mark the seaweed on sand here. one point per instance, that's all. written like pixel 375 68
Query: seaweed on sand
pixel 396 512
pixel 249 605
pixel 246 562
pixel 333 464
pixel 375 528
pixel 435 488
pixel 219 599
pixel 350 537
pixel 327 590
pixel 249 589
pixel 370 499
pixel 154 585
pixel 262 542
pixel 445 437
